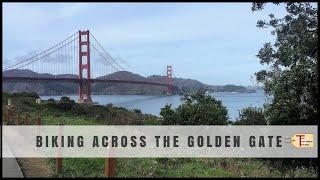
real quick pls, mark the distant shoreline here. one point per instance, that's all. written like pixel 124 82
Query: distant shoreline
pixel 54 88
pixel 75 94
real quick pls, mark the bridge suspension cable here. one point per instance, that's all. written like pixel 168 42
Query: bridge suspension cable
pixel 110 57
pixel 46 54
pixel 102 55
pixel 23 61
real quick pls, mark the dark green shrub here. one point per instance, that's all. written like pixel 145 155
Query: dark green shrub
pixel 197 109
pixel 251 116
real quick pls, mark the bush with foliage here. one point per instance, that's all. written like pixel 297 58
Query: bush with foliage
pixel 251 116
pixel 138 111
pixel 51 101
pixel 25 94
pixel 197 109
pixel 65 103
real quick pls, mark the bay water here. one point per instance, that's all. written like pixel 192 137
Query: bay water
pixel 152 104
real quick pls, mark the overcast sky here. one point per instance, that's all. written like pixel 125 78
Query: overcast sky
pixel 215 43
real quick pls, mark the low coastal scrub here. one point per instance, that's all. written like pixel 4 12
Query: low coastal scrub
pixel 68 112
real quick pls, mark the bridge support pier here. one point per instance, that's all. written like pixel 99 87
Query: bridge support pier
pixel 84 67
pixel 169 81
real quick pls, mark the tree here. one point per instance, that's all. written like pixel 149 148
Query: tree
pixel 292 74
pixel 26 94
pixel 51 101
pixel 197 109
pixel 292 60
pixel 64 99
pixel 251 116
pixel 138 111
pixel 169 115
pixel 65 103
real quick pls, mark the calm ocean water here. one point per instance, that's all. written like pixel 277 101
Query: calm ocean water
pixel 152 104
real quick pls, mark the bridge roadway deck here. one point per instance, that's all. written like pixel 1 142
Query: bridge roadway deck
pixel 73 80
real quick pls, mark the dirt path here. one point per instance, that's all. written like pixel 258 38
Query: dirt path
pixel 35 167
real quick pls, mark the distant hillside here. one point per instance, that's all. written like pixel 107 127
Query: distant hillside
pixel 185 85
pixel 51 88
pixel 128 88
pixel 230 88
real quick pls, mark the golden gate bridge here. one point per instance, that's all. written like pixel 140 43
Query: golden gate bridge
pixel 80 54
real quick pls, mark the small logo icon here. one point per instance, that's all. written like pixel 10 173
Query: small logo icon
pixel 302 140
